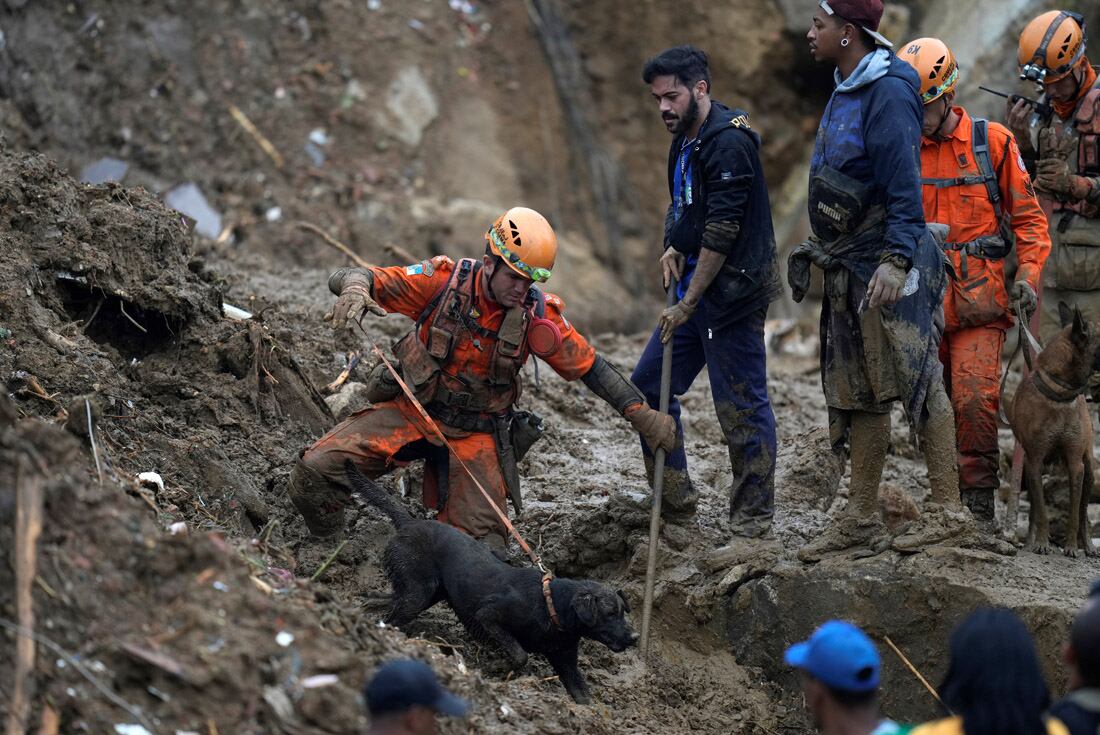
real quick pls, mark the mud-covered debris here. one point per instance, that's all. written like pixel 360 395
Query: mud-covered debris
pixel 188 199
pixel 78 421
pixel 151 480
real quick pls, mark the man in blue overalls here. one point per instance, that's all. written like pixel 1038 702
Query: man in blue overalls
pixel 720 251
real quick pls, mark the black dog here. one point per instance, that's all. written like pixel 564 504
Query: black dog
pixel 428 562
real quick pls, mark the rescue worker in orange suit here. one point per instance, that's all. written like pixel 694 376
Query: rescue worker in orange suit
pixel 975 182
pixel 476 324
pixel 1063 152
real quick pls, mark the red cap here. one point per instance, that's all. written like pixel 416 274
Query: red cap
pixel 864 13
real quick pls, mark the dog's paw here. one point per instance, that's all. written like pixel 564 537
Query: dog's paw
pixel 1039 547
pixel 1070 552
pixel 1090 551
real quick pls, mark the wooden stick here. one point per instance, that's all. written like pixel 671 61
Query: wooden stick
pixel 251 129
pixel 328 561
pixel 358 259
pixel 122 308
pixel 916 673
pixel 91 437
pixel 334 386
pixel 28 526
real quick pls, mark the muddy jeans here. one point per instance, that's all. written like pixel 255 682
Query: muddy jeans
pixel 736 363
pixel 388 435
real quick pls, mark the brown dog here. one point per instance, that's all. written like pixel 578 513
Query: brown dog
pixel 1049 418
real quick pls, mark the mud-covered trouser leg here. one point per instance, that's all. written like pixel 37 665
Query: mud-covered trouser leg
pixel 869 441
pixel 937 438
pixel 374 439
pixel 972 361
pixel 688 358
pixel 737 366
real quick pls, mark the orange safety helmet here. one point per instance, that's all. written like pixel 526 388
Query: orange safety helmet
pixel 1051 45
pixel 525 241
pixel 935 65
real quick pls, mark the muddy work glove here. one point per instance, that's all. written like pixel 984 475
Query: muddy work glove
pixel 674 317
pixel 354 300
pixel 1023 296
pixel 1052 175
pixel 887 282
pixel 656 428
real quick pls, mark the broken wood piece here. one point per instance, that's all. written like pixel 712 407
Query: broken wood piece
pixel 400 253
pixel 165 663
pixel 265 145
pixel 358 259
pixel 51 721
pixel 28 527
pixel 353 361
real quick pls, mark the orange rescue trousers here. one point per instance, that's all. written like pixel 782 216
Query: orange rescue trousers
pixel 971 359
pixel 383 437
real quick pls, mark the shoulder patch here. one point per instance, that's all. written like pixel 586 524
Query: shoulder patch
pixel 1020 162
pixel 741 121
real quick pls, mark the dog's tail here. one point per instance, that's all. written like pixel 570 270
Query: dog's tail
pixel 365 488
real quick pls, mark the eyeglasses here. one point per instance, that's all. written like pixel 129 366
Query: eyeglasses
pixel 539 275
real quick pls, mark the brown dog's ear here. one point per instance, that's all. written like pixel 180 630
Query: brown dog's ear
pixel 1065 314
pixel 626 604
pixel 1080 333
pixel 585 607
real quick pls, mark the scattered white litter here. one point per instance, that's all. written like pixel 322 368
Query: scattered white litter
pixel 235 312
pixel 187 199
pixel 274 214
pixel 178 528
pixel 131 730
pixel 153 480
pixel 284 638
pixel 320 680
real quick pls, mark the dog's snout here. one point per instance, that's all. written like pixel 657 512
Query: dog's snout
pixel 634 638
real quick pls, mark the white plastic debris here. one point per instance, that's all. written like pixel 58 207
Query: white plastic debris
pixel 152 480
pixel 274 214
pixel 188 200
pixel 505 711
pixel 320 680
pixel 131 730
pixel 318 136
pixel 235 312
pixel 104 170
pixel 284 638
pixel 178 528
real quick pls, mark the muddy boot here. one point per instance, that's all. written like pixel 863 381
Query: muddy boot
pixel 320 502
pixel 937 441
pixel 938 524
pixel 679 497
pixel 859 524
pixel 980 502
pixel 499 546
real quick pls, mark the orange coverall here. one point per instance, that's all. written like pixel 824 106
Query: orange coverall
pixel 388 435
pixel 976 306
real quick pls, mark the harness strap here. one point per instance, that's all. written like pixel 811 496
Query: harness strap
pixel 979 142
pixel 549 597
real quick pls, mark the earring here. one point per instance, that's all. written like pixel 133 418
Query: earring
pixel 844 42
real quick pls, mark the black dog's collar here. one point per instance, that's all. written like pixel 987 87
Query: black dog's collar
pixel 550 600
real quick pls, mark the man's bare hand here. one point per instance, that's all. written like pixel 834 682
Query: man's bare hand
pixel 1018 118
pixel 672 266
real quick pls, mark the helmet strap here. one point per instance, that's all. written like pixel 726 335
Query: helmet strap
pixel 938 132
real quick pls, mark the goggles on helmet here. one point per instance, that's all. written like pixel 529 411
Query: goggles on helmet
pixel 941 89
pixel 539 275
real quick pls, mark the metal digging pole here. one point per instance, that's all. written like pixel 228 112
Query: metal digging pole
pixel 658 485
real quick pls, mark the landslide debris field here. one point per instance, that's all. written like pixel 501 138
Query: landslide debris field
pixel 202 604
pixel 198 603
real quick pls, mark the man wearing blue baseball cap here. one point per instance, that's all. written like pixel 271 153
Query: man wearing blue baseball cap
pixel 404 697
pixel 840 677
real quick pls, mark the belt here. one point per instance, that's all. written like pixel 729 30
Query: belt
pixel 457 418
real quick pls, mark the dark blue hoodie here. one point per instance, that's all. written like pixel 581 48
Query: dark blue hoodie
pixel 871 132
